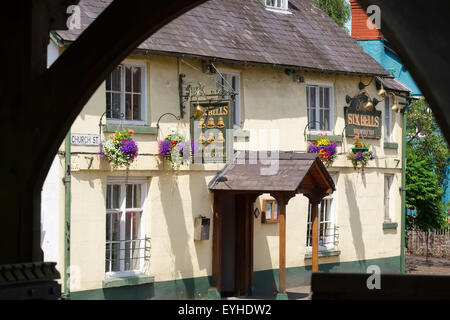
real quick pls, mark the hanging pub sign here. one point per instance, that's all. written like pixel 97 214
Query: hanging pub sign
pixel 362 119
pixel 210 121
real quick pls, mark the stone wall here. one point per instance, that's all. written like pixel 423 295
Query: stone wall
pixel 438 243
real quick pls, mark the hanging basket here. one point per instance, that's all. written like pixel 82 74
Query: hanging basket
pixel 325 149
pixel 360 155
pixel 176 150
pixel 120 150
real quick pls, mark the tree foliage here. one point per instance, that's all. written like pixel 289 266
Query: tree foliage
pixel 424 194
pixel 338 10
pixel 427 155
pixel 424 137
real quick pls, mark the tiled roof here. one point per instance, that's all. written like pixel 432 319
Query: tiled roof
pixel 246 31
pixel 292 170
pixel 393 84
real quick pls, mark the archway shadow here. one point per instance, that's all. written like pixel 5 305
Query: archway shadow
pixel 178 235
pixel 355 219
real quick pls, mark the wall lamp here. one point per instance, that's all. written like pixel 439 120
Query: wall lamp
pixel 362 86
pixel 208 67
pixel 295 77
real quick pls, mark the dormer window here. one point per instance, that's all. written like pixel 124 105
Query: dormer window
pixel 277 4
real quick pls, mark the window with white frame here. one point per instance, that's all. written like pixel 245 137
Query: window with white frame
pixel 277 4
pixel 125 93
pixel 228 82
pixel 127 247
pixel 388 118
pixel 328 234
pixel 387 197
pixel 319 100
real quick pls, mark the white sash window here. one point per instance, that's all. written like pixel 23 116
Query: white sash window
pixel 127 246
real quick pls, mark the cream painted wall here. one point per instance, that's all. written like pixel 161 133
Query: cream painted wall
pixel 269 100
pixel 359 214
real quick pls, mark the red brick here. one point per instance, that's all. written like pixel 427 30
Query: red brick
pixel 360 31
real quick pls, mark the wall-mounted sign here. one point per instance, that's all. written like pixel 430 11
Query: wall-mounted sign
pixel 362 122
pixel 77 139
pixel 210 128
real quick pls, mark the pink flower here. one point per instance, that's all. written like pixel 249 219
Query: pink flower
pixel 319 134
pixel 356 137
pixel 131 131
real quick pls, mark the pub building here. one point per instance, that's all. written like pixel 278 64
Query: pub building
pixel 251 88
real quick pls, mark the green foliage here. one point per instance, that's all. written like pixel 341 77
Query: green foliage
pixel 338 10
pixel 424 137
pixel 424 193
pixel 427 154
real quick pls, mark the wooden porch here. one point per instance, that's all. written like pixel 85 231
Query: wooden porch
pixel 242 182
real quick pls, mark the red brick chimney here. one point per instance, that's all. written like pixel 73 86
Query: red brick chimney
pixel 360 31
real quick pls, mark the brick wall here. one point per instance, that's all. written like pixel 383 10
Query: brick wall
pixel 360 31
pixel 438 243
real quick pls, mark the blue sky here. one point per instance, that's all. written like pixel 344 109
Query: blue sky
pixel 349 23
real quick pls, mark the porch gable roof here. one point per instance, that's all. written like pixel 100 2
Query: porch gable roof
pixel 296 173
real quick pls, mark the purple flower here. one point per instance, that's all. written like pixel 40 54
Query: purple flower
pixel 128 147
pixel 359 156
pixel 313 149
pixel 102 153
pixel 184 146
pixel 194 146
pixel 164 148
pixel 330 148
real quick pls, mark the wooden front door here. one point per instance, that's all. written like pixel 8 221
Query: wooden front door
pixel 244 245
pixel 236 249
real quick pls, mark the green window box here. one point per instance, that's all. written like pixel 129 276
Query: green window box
pixel 391 145
pixel 136 129
pixel 315 137
pixel 390 225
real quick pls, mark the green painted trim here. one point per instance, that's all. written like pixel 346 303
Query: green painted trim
pixel 214 294
pixel 136 129
pixel 241 133
pixel 128 281
pixel 56 39
pixel 191 288
pixel 265 283
pixel 315 137
pixel 282 296
pixel 324 253
pixel 391 145
pixel 390 225
pixel 403 189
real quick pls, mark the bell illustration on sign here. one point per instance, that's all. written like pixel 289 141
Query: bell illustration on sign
pixel 360 120
pixel 210 128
